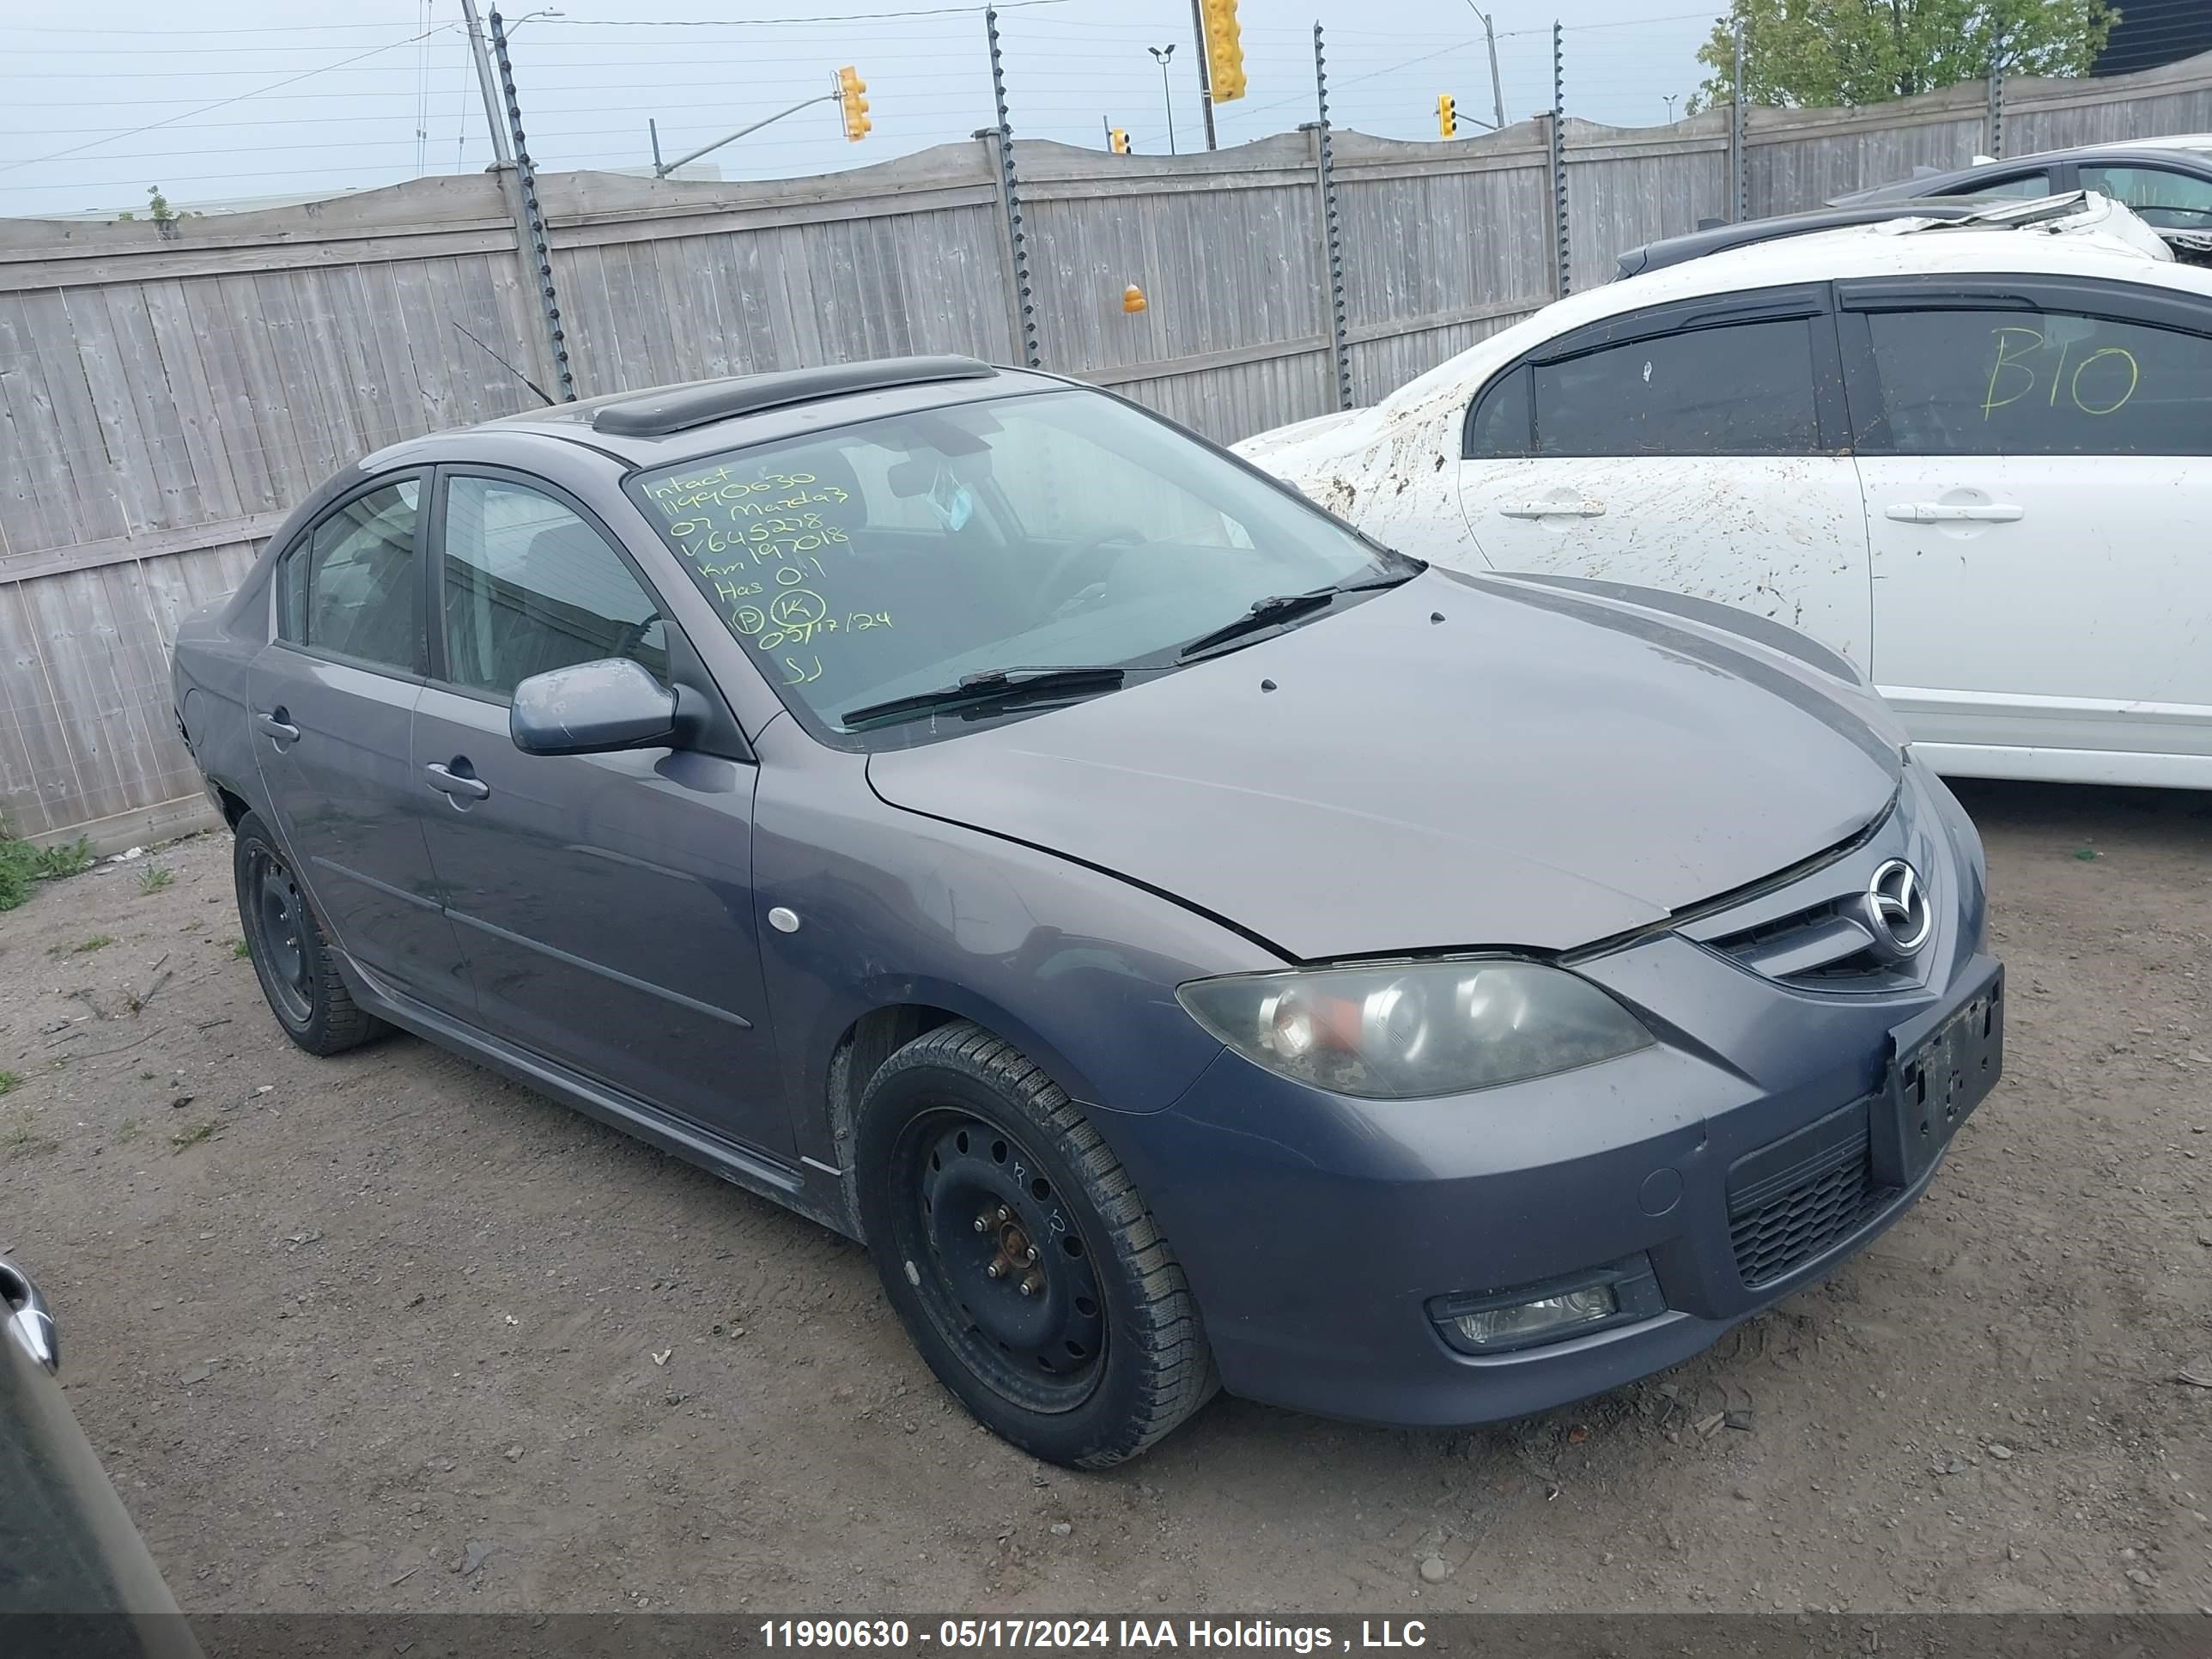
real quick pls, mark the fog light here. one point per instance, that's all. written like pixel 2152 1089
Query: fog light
pixel 1546 1317
pixel 1597 1298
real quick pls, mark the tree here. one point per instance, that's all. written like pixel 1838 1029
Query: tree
pixel 1820 53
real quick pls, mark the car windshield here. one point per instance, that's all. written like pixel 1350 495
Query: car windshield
pixel 887 562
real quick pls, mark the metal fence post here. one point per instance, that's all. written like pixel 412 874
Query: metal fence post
pixel 1562 270
pixel 1010 198
pixel 1997 99
pixel 1738 174
pixel 1331 229
pixel 541 251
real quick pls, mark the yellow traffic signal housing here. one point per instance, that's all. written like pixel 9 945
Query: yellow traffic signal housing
pixel 1118 140
pixel 852 104
pixel 1447 116
pixel 1224 49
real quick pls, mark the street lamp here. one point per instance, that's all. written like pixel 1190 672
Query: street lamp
pixel 1670 98
pixel 1160 56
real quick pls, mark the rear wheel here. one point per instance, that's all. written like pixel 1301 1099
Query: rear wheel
pixel 1020 1258
pixel 292 956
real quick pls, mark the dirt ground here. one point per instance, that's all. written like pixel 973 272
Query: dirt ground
pixel 387 1333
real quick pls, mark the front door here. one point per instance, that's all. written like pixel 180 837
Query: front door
pixel 332 696
pixel 2037 471
pixel 1697 455
pixel 604 902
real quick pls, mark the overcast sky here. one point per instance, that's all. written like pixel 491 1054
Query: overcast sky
pixel 370 106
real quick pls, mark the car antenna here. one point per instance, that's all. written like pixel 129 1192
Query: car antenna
pixel 504 364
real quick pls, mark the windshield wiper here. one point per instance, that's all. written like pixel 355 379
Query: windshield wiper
pixel 1282 607
pixel 992 685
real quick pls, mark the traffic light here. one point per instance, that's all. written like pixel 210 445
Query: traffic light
pixel 1447 116
pixel 1118 141
pixel 852 104
pixel 1224 49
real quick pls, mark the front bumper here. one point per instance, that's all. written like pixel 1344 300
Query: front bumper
pixel 1753 1148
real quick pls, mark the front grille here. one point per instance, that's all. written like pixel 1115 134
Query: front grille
pixel 1796 1200
pixel 1824 946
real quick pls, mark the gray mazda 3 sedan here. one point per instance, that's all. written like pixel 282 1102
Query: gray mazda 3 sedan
pixel 1191 945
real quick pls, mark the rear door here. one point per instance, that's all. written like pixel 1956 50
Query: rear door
pixel 1700 447
pixel 2037 455
pixel 332 696
pixel 604 902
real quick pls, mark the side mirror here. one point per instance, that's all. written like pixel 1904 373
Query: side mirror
pixel 590 709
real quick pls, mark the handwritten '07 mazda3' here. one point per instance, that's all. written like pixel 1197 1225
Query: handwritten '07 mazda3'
pixel 1191 945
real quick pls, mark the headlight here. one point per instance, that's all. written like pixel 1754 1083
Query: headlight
pixel 1400 1031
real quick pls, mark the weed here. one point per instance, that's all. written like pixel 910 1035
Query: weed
pixel 155 877
pixel 193 1136
pixel 97 942
pixel 238 950
pixel 21 1140
pixel 127 1130
pixel 146 1077
pixel 9 1082
pixel 70 858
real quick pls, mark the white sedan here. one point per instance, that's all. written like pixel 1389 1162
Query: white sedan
pixel 1975 460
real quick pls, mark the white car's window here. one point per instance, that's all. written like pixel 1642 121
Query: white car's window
pixel 351 588
pixel 2172 201
pixel 1741 390
pixel 530 588
pixel 2048 383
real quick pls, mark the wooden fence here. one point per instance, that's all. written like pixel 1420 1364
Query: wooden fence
pixel 166 393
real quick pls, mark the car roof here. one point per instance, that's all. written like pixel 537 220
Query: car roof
pixel 674 423
pixel 1716 238
pixel 2165 148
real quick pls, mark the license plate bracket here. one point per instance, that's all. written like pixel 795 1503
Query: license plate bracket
pixel 1945 1065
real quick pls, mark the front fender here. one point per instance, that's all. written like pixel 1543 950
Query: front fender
pixel 1075 967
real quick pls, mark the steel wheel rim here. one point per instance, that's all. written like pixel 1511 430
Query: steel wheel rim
pixel 280 939
pixel 972 1197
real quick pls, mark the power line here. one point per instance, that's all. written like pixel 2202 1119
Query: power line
pixel 219 103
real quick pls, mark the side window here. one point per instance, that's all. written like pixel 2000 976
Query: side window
pixel 1498 425
pixel 2026 185
pixel 2171 201
pixel 529 586
pixel 2050 383
pixel 1741 390
pixel 352 587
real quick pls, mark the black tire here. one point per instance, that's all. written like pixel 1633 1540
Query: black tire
pixel 964 1150
pixel 291 954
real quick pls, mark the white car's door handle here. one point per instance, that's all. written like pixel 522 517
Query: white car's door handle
pixel 1554 510
pixel 1947 511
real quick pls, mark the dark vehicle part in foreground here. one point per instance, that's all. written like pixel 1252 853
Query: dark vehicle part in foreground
pixel 1191 945
pixel 75 1581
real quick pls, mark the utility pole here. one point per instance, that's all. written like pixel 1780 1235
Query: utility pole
pixel 1204 78
pixel 489 85
pixel 1160 56
pixel 1497 89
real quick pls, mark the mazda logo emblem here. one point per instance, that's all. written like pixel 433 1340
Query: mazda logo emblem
pixel 1897 909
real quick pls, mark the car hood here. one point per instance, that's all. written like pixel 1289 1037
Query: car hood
pixel 1459 761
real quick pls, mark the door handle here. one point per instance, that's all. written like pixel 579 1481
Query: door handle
pixel 1585 509
pixel 29 1319
pixel 1951 512
pixel 273 725
pixel 446 781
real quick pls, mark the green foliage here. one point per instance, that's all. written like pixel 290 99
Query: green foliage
pixel 185 1138
pixel 22 863
pixel 157 206
pixel 155 877
pixel 9 1082
pixel 69 859
pixel 97 942
pixel 1868 51
pixel 240 951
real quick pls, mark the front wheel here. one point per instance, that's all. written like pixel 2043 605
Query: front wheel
pixel 292 956
pixel 1018 1255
